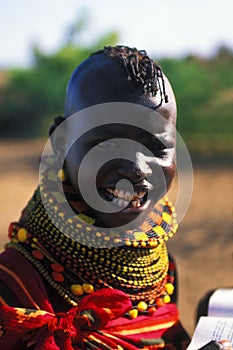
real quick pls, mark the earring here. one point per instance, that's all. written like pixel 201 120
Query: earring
pixel 62 175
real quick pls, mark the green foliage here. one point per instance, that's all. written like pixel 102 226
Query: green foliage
pixel 204 93
pixel 32 97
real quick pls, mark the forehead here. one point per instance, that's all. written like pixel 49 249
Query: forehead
pixel 100 80
pixel 113 120
pixel 97 80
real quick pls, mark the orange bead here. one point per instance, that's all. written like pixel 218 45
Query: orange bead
pixel 88 288
pixel 77 289
pixel 159 302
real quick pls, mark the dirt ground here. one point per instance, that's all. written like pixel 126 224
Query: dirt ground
pixel 203 246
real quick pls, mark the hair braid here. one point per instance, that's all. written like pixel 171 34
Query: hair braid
pixel 141 71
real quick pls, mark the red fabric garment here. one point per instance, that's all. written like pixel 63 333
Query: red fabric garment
pixel 66 331
pixel 71 327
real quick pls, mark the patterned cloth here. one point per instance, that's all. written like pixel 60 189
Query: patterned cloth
pixel 97 323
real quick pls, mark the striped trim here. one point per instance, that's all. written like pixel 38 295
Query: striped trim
pixel 145 329
pixel 3 302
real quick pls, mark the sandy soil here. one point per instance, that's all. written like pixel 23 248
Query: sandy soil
pixel 203 246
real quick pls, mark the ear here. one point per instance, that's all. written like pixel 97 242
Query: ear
pixel 57 138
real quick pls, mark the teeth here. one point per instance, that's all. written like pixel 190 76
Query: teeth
pixel 136 203
pixel 125 197
pixel 137 195
pixel 120 202
pixel 121 194
pixel 128 196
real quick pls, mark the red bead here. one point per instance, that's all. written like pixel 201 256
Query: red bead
pixel 37 254
pixel 10 230
pixel 172 266
pixel 57 276
pixel 57 267
pixel 151 310
pixel 171 279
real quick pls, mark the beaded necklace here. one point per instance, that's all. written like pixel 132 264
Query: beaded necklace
pixel 140 267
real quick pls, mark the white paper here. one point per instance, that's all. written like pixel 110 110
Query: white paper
pixel 221 303
pixel 211 328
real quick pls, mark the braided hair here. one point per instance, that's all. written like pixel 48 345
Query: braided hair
pixel 140 69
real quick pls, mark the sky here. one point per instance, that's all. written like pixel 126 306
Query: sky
pixel 164 28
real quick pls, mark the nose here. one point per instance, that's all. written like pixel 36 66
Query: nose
pixel 138 170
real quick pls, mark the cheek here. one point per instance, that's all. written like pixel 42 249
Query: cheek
pixel 162 176
pixel 82 173
pixel 169 173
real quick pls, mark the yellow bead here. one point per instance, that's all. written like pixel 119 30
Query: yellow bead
pixel 77 289
pixel 62 175
pixel 166 299
pixel 142 306
pixel 133 313
pixel 169 288
pixel 143 244
pixel 88 288
pixel 22 234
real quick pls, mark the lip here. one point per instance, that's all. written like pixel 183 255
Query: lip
pixel 130 212
pixel 134 211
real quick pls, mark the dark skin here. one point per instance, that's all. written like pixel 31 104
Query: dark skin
pixel 101 80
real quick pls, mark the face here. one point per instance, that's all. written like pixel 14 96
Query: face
pixel 145 159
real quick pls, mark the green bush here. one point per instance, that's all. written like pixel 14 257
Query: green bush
pixel 33 96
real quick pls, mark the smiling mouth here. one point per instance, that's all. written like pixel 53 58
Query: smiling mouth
pixel 125 199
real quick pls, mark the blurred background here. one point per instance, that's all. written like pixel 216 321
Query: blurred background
pixel 41 44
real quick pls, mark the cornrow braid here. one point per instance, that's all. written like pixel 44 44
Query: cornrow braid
pixel 140 69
